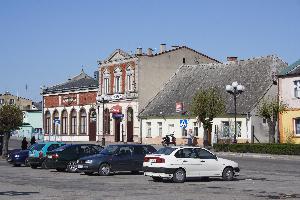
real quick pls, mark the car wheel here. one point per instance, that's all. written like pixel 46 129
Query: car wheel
pixel 156 179
pixel 17 165
pixel 104 169
pixel 179 176
pixel 88 173
pixel 72 167
pixel 227 174
pixel 26 163
pixel 43 166
pixel 33 166
pixel 60 169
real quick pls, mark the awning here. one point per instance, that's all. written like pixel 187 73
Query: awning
pixel 116 109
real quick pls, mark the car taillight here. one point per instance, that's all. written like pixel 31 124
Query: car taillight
pixel 154 159
pixel 40 154
pixel 55 156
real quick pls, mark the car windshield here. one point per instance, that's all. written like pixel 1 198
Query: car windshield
pixel 110 149
pixel 63 147
pixel 31 147
pixel 165 151
pixel 39 147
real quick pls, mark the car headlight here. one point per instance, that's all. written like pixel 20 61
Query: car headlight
pixel 88 161
pixel 17 156
pixel 77 161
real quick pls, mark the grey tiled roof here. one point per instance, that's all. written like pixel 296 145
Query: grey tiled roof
pixel 79 82
pixel 293 69
pixel 256 75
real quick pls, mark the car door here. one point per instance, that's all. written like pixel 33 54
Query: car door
pixel 138 155
pixel 209 164
pixel 187 159
pixel 122 159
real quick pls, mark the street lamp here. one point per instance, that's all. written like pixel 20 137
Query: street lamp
pixel 103 99
pixel 235 89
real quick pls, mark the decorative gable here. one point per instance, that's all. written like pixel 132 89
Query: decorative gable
pixel 118 54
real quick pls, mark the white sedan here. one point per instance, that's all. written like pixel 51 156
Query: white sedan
pixel 179 163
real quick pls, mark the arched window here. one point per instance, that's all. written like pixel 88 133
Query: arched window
pixel 64 122
pixel 82 122
pixel 55 122
pixel 106 76
pixel 118 80
pixel 73 122
pixel 47 122
pixel 129 79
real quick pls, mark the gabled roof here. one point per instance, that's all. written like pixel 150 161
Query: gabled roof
pixel 117 54
pixel 79 82
pixel 256 75
pixel 293 69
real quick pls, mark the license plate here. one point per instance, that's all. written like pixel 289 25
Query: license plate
pixel 152 160
pixel 79 166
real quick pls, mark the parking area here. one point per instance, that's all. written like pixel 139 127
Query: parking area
pixel 260 179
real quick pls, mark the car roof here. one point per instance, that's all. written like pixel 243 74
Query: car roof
pixel 129 145
pixel 51 142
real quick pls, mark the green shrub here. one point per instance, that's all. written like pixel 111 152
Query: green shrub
pixel 279 149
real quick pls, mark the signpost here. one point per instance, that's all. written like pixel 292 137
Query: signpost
pixel 183 123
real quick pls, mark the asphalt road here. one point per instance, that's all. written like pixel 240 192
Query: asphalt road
pixel 260 178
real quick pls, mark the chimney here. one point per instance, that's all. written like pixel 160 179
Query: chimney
pixel 149 52
pixel 232 58
pixel 162 48
pixel 139 51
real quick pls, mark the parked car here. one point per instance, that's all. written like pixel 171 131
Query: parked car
pixel 115 158
pixel 18 157
pixel 66 156
pixel 179 163
pixel 38 155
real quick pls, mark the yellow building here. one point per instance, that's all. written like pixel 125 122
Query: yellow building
pixel 289 93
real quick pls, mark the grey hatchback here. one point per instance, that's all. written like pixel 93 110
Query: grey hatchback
pixel 115 158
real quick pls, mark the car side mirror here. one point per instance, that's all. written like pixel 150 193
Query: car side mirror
pixel 215 157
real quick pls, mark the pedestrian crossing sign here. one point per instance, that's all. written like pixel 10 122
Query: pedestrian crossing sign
pixel 183 123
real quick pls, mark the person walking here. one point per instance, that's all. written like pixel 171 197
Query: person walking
pixel 32 141
pixel 24 143
pixel 190 137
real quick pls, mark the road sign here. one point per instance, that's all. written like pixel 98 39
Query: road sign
pixel 56 121
pixel 183 123
pixel 116 115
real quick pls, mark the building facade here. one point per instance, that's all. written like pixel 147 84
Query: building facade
pixel 130 81
pixel 22 103
pixel 289 93
pixel 258 75
pixel 70 112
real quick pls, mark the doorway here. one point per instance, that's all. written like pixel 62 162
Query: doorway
pixel 117 129
pixel 130 125
pixel 92 125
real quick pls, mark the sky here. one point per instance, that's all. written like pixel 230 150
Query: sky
pixel 45 42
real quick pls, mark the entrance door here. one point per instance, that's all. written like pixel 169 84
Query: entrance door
pixel 117 129
pixel 129 125
pixel 92 125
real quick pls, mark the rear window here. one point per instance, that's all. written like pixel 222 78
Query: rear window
pixel 39 147
pixel 111 149
pixel 165 151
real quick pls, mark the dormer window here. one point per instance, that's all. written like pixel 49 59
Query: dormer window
pixel 297 89
pixel 118 80
pixel 106 76
pixel 129 79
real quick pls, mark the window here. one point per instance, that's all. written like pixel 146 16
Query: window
pixel 82 122
pixel 238 129
pixel 55 124
pixel 297 89
pixel 184 131
pixel 170 128
pixel 129 78
pixel 159 124
pixel 64 120
pixel 1 101
pixel 148 127
pixel 264 121
pixel 52 147
pixel 118 80
pixel 228 129
pixel 195 129
pixel 106 85
pixel 186 153
pixel 203 154
pixel 297 126
pixel 11 101
pixel 47 122
pixel 73 122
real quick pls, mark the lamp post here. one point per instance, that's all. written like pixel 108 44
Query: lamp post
pixel 235 89
pixel 103 99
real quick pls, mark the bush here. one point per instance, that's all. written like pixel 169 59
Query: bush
pixel 279 149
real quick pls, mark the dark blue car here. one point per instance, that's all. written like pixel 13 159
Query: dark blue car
pixel 116 158
pixel 19 157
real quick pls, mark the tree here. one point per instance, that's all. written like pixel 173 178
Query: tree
pixel 11 118
pixel 206 105
pixel 269 109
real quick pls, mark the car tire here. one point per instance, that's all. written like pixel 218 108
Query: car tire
pixel 44 166
pixel 157 179
pixel 17 165
pixel 72 167
pixel 60 169
pixel 88 173
pixel 179 176
pixel 33 166
pixel 104 169
pixel 26 163
pixel 228 174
